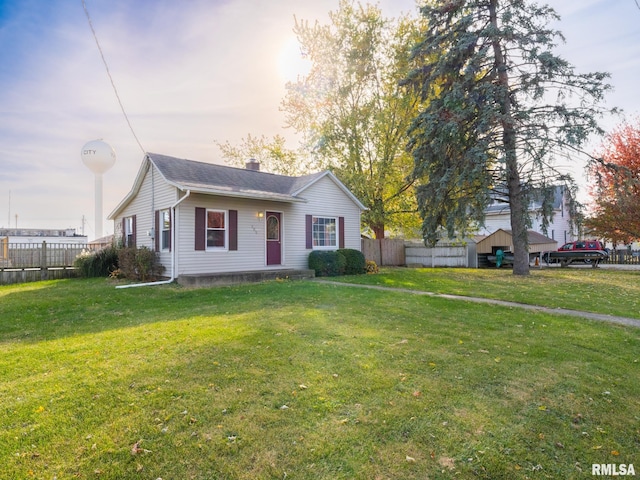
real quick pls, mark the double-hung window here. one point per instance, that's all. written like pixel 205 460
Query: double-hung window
pixel 325 232
pixel 165 230
pixel 217 230
pixel 129 231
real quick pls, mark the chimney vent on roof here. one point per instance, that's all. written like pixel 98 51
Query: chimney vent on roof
pixel 253 164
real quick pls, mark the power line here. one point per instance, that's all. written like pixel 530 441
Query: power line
pixel 106 66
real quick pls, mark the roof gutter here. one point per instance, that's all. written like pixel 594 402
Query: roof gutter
pixel 173 249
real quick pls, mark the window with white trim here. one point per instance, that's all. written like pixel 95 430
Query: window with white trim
pixel 165 230
pixel 216 230
pixel 129 232
pixel 325 232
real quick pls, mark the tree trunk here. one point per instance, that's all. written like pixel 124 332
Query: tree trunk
pixel 516 201
pixel 378 231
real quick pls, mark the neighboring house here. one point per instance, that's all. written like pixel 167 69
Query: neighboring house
pixel 497 216
pixel 206 219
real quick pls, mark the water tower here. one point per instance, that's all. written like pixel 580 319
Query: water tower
pixel 99 157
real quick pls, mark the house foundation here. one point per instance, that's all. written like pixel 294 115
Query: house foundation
pixel 238 278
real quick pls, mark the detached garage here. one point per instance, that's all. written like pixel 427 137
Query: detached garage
pixel 503 240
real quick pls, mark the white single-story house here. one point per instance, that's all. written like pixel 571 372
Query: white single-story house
pixel 206 219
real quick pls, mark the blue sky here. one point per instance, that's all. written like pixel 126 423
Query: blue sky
pixel 188 73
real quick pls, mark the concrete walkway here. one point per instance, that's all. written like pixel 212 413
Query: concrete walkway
pixel 632 322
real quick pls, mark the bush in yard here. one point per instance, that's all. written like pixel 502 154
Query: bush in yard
pixel 327 264
pixel 139 264
pixel 99 263
pixel 355 261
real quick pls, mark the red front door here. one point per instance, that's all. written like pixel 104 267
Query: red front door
pixel 274 238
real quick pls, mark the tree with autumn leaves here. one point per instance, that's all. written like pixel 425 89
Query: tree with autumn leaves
pixel 616 186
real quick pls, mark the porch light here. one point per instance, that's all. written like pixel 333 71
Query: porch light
pixel 260 214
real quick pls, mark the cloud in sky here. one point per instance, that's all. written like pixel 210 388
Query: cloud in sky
pixel 188 73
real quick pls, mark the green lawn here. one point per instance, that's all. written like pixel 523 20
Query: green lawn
pixel 578 288
pixel 310 381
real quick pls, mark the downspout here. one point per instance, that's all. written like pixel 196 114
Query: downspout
pixel 173 248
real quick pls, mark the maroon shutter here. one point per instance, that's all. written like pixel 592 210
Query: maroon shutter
pixel 309 231
pixel 201 235
pixel 135 231
pixel 124 232
pixel 340 232
pixel 233 230
pixel 157 232
pixel 170 227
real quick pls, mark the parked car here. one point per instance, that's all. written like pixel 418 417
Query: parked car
pixel 582 245
pixel 585 250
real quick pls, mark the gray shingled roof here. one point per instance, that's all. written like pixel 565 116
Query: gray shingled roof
pixel 212 179
pixel 534 238
pixel 207 176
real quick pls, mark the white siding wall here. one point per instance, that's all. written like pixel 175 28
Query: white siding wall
pixel 559 227
pixel 324 198
pixel 495 222
pixel 251 253
pixel 155 194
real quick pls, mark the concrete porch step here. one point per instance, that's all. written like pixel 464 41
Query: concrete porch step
pixel 238 278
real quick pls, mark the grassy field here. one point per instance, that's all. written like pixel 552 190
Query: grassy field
pixel 311 381
pixel 578 288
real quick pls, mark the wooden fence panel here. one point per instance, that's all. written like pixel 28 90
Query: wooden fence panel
pixel 31 262
pixel 623 257
pixel 386 252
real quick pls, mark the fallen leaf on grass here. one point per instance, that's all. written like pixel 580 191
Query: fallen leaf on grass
pixel 410 459
pixel 447 462
pixel 137 449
